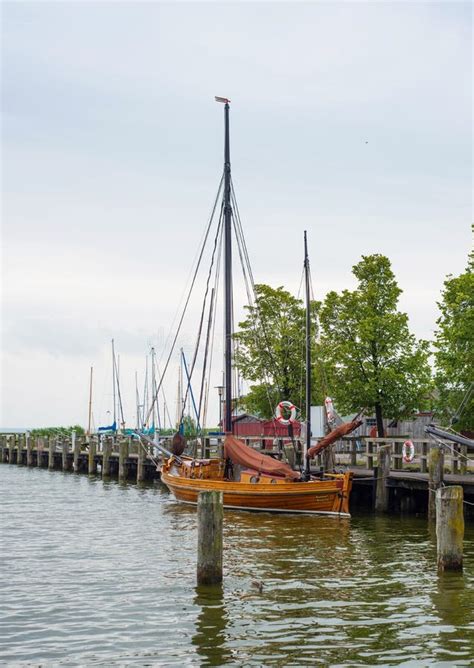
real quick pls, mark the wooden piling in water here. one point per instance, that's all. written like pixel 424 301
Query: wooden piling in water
pixel 436 476
pixel 29 450
pixel 76 450
pixel 450 527
pixel 39 451
pixel 141 462
pixel 65 454
pixel 19 449
pixel 210 520
pixel 91 462
pixel 123 456
pixel 51 451
pixel 383 472
pixel 106 450
pixel 11 449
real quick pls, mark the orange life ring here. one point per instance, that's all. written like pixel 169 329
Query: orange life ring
pixel 279 412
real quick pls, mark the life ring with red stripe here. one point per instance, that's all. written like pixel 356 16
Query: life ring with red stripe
pixel 288 406
pixel 408 452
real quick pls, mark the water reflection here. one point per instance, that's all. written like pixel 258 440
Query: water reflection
pixel 211 623
pixel 338 592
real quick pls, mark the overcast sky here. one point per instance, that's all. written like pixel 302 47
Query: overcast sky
pixel 351 120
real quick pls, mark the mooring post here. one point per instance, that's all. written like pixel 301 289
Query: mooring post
pixel 91 462
pixel 11 449
pixel 65 457
pixel 435 479
pixel 2 449
pixel 29 454
pixel 40 443
pixel 450 527
pixel 123 456
pixel 141 461
pixel 19 449
pixel 51 451
pixel 210 521
pixel 106 450
pixel 381 486
pixel 76 451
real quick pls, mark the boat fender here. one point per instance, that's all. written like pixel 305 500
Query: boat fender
pixel 279 412
pixel 408 451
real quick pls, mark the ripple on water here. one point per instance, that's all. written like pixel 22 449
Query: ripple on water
pixel 104 574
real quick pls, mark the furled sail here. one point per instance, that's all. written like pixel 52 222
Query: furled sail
pixel 242 454
pixel 333 436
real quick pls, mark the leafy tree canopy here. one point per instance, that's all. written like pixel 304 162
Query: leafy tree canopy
pixel 372 358
pixel 269 351
pixel 454 343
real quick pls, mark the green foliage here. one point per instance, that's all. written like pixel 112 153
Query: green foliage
pixel 372 359
pixel 270 351
pixel 58 431
pixel 454 343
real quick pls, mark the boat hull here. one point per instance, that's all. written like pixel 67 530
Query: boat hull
pixel 328 497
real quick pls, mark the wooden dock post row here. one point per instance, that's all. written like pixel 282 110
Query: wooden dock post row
pixel 119 457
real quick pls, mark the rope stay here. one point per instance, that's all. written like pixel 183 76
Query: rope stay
pixel 198 264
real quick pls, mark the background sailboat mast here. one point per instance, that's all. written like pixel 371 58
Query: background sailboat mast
pixel 113 383
pixel 228 276
pixel 307 444
pixel 90 405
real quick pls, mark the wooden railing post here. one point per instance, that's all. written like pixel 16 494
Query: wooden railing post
pixel 353 460
pixel 463 462
pixel 424 457
pixel 450 527
pixel 210 521
pixel 370 454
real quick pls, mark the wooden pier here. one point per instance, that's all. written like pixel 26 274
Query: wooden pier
pixel 121 458
pixel 382 480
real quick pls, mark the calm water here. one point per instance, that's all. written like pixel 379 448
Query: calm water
pixel 103 574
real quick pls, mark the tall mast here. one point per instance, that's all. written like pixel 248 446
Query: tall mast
pixel 113 383
pixel 227 273
pixel 90 405
pixel 307 445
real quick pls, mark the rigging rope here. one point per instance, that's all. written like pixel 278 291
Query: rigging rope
pixel 203 310
pixel 155 397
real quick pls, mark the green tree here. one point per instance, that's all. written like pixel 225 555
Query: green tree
pixel 454 343
pixel 373 360
pixel 269 351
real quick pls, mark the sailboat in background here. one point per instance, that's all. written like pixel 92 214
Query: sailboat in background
pixel 248 479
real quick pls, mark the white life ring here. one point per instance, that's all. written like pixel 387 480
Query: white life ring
pixel 408 452
pixel 279 412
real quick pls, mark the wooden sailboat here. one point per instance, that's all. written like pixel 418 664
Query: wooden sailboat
pixel 248 479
